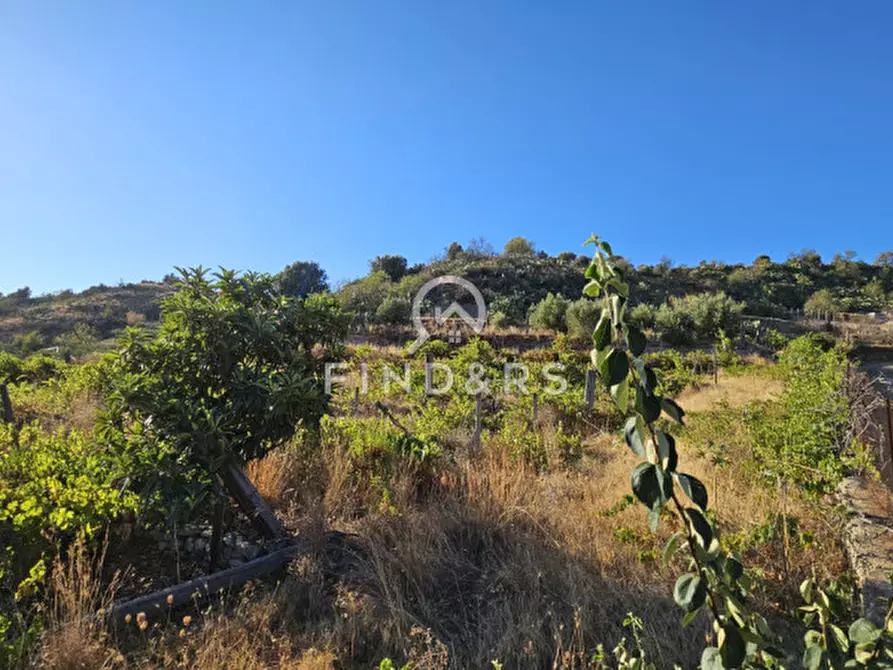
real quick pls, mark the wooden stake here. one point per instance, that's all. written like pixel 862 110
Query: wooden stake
pixel 8 416
pixel 429 374
pixel 476 438
pixel 356 400
pixel 889 428
pixel 590 388
pixel 715 367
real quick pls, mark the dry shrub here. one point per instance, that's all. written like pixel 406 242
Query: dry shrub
pixel 134 318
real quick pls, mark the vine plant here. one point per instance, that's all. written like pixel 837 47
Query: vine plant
pixel 716 580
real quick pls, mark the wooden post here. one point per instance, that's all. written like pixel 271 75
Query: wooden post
pixel 8 416
pixel 890 428
pixel 356 400
pixel 590 388
pixel 217 526
pixel 715 367
pixel 429 374
pixel 252 502
pixel 476 438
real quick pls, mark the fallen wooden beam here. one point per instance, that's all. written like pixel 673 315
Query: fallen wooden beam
pixel 160 603
pixel 252 503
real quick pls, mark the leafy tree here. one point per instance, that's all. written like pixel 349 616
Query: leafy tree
pixel 234 368
pixel 479 247
pixel 581 318
pixel 674 326
pixel 549 313
pixel 642 316
pixel 393 266
pixel 519 246
pixel 81 341
pixel 568 257
pixel 873 295
pixel 884 259
pixel 28 343
pixel 454 251
pixel 302 278
pixel 393 311
pixel 822 303
pixel 363 296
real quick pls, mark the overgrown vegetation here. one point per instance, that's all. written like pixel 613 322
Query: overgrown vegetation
pixel 504 538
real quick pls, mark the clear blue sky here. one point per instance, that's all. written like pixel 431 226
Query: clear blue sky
pixel 135 136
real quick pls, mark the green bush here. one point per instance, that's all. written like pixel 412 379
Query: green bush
pixel 10 367
pixel 40 368
pixel 549 313
pixel 641 316
pixel 805 437
pixel 234 368
pixel 582 316
pixel 394 311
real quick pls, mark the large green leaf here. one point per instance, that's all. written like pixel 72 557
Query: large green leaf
pixel 646 376
pixel 689 591
pixel 812 658
pixel 731 647
pixel 636 341
pixel 633 433
pixel 648 405
pixel 646 484
pixel 693 488
pixel 620 394
pixel 615 368
pixel 674 411
pixel 666 451
pixel 862 631
pixel 711 659
pixel 701 527
pixel 601 337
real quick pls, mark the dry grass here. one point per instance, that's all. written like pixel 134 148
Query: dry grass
pixel 474 561
pixel 495 561
pixel 737 391
pixel 75 637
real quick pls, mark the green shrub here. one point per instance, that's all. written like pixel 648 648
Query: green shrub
pixel 641 316
pixel 805 437
pixel 40 368
pixel 10 367
pixel 582 316
pixel 394 311
pixel 235 367
pixel 549 313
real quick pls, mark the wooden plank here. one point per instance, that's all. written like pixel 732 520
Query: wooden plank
pixel 252 503
pixel 160 603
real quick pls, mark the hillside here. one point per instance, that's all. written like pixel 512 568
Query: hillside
pixel 512 283
pixel 28 323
